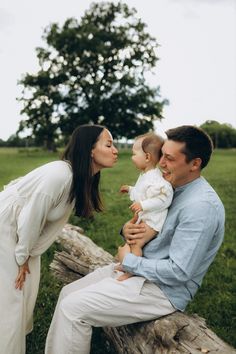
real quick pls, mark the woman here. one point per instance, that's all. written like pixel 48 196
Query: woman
pixel 33 211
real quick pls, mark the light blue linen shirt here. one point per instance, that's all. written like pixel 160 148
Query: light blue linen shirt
pixel 178 258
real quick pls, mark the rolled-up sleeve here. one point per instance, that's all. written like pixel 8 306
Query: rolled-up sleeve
pixel 188 248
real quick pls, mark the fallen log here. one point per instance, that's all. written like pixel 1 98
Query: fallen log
pixel 175 333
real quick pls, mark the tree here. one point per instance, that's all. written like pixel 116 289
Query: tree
pixel 93 71
pixel 222 135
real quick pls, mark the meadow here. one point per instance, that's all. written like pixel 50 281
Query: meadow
pixel 216 299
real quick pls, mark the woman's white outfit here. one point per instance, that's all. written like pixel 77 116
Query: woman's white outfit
pixel 33 210
pixel 155 195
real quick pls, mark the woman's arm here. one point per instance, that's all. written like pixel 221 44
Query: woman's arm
pixel 30 224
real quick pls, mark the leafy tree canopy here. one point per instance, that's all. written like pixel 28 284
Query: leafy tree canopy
pixel 93 71
pixel 222 135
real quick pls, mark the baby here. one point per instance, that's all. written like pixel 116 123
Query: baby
pixel 152 194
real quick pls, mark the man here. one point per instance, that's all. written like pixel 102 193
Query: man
pixel 173 263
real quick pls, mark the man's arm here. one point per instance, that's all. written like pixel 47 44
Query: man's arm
pixel 192 245
pixel 131 233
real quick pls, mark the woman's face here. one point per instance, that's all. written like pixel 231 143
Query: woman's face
pixel 104 154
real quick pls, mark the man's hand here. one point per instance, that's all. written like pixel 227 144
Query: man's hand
pixel 132 231
pixel 136 207
pixel 23 270
pixel 124 188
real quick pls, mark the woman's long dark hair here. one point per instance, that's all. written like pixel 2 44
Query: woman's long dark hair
pixel 85 186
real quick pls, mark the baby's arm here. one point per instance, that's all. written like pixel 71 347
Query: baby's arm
pixel 157 198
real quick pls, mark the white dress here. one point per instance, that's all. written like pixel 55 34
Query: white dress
pixel 33 210
pixel 155 195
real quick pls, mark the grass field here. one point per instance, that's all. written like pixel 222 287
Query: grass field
pixel 216 299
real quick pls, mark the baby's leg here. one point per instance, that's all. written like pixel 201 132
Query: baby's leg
pixel 124 276
pixel 137 250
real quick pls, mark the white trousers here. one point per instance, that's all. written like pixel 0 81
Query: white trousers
pixel 100 300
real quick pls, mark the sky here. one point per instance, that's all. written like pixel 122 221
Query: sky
pixel 196 70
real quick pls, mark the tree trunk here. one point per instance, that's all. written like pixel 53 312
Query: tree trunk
pixel 175 333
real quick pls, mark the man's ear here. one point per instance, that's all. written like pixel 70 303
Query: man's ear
pixel 196 164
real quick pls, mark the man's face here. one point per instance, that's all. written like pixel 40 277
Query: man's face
pixel 173 164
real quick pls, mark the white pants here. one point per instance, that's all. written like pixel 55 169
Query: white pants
pixel 100 300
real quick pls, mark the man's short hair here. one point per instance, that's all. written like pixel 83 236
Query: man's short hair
pixel 198 143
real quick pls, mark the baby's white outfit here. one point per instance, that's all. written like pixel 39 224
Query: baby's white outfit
pixel 155 195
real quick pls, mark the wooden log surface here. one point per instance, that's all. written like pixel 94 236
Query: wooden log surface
pixel 172 334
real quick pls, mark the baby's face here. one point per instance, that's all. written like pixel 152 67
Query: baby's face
pixel 139 157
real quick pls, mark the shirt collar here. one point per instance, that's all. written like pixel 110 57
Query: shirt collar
pixel 180 189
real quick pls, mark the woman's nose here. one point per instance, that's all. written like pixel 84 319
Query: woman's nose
pixel 115 150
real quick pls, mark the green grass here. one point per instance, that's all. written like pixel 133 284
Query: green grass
pixel 215 301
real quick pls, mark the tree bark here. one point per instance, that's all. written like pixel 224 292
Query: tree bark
pixel 175 333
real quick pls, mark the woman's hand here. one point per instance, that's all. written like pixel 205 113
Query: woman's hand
pixel 23 270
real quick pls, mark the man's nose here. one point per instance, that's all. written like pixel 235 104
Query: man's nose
pixel 161 161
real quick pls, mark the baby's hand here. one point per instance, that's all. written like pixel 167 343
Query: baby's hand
pixel 136 207
pixel 124 188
